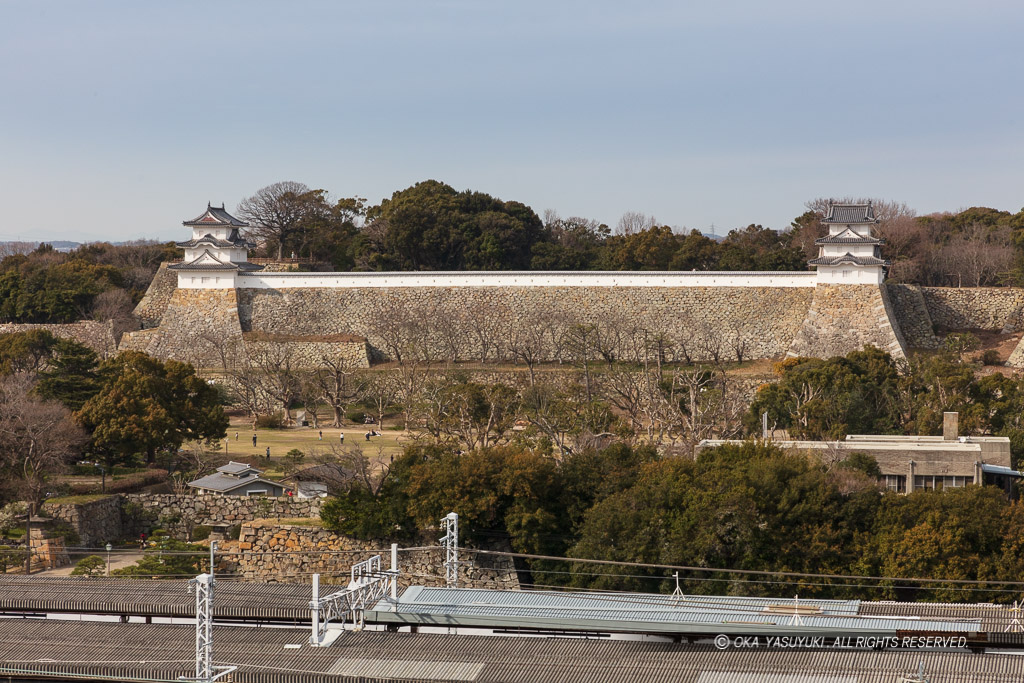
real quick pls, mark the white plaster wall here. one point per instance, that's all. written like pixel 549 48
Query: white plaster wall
pixel 526 279
pixel 850 275
pixel 206 280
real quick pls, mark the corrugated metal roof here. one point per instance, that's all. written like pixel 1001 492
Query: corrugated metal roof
pixel 640 613
pixel 277 601
pixel 131 651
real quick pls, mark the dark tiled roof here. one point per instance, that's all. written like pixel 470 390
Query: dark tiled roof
pixel 207 239
pixel 850 213
pixel 238 467
pixel 206 261
pixel 215 216
pixel 848 237
pixel 848 258
pixel 224 482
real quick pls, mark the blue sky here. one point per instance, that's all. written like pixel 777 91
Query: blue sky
pixel 118 120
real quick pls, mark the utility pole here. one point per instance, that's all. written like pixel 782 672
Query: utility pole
pixel 203 585
pixel 28 538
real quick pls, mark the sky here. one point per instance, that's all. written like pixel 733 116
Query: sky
pixel 120 120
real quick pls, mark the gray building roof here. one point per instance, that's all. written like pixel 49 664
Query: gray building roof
pixel 215 216
pixel 849 237
pixel 225 483
pixel 89 650
pixel 850 213
pixel 237 468
pixel 643 613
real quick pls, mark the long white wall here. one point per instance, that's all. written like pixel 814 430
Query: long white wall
pixel 527 279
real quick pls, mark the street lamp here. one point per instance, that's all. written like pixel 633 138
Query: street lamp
pixel 109 548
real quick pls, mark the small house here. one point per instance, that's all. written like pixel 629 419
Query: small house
pixel 238 479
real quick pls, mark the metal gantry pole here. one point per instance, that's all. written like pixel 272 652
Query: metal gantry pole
pixel 203 585
pixel 450 543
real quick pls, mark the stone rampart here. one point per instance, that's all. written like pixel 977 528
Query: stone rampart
pixel 844 318
pixel 290 553
pixel 911 310
pixel 199 326
pixel 97 522
pixel 309 352
pixel 975 308
pixel 151 309
pixel 98 336
pixel 489 323
pixel 218 509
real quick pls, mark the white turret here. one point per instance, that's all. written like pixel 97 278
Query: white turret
pixel 850 254
pixel 216 253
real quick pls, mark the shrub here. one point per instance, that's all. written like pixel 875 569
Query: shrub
pixel 93 565
pixel 295 455
pixel 272 421
pixel 991 357
pixel 11 557
pixel 235 532
pixel 201 532
pixel 357 416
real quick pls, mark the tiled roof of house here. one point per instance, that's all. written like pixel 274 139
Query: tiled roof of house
pixel 207 261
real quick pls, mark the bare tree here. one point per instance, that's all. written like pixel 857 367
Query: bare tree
pixel 37 438
pixel 633 222
pixel 272 214
pixel 336 383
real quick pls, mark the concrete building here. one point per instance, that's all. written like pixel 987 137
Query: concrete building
pixel 919 463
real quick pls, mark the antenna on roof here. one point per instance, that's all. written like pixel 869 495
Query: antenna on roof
pixel 797 620
pixel 1015 625
pixel 919 677
pixel 678 594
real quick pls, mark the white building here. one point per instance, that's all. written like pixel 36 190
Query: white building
pixel 849 255
pixel 216 253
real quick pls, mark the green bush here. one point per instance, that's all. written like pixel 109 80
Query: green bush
pixel 991 357
pixel 272 421
pixel 295 455
pixel 234 532
pixel 93 565
pixel 201 532
pixel 357 416
pixel 10 557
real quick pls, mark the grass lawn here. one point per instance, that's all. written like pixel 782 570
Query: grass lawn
pixel 307 440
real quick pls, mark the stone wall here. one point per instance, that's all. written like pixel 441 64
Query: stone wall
pixel 98 336
pixel 217 509
pixel 844 318
pixel 157 297
pixel 462 322
pixel 975 308
pixel 911 310
pixel 199 326
pixel 309 352
pixel 269 551
pixel 97 522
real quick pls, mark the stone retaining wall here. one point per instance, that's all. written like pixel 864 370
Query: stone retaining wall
pixel 975 308
pixel 98 336
pixel 353 352
pixel 157 297
pixel 911 310
pixel 275 552
pixel 199 326
pixel 471 323
pixel 844 318
pixel 217 509
pixel 97 522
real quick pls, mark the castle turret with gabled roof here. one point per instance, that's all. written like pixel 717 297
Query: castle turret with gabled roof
pixel 849 254
pixel 216 252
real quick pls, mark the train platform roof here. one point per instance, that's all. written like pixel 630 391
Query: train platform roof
pixel 77 650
